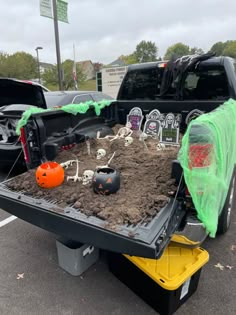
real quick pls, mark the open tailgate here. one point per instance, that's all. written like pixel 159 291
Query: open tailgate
pixel 143 239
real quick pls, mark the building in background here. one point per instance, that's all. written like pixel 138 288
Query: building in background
pixel 88 69
pixel 45 66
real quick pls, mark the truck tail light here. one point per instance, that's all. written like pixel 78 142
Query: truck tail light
pixel 24 144
pixel 200 155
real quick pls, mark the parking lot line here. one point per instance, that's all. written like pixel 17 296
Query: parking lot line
pixel 7 220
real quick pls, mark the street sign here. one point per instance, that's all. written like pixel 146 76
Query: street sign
pixel 46 8
pixel 62 11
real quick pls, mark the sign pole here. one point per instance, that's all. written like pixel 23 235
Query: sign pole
pixel 54 6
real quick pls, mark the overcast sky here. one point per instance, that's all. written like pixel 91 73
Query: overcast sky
pixel 102 30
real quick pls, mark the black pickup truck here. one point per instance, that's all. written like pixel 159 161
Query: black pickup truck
pixel 181 86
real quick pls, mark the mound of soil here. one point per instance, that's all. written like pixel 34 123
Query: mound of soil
pixel 145 181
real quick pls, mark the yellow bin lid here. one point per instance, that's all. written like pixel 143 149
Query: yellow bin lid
pixel 176 265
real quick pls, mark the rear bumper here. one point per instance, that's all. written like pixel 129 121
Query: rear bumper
pixel 192 235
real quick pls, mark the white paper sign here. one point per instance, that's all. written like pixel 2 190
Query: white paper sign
pixel 46 8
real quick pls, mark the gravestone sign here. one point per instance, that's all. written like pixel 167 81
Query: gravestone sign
pixel 135 118
pixel 169 133
pixel 152 127
pixel 192 115
pixel 154 114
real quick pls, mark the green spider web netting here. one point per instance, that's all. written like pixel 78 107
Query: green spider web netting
pixel 70 108
pixel 208 156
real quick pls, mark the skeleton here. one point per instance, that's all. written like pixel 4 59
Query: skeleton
pixel 121 134
pixel 101 153
pixel 87 177
pixel 68 163
pixel 76 177
pixel 128 141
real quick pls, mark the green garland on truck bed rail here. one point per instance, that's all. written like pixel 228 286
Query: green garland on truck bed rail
pixel 70 108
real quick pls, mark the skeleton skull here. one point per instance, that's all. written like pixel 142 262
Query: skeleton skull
pixel 160 146
pixel 87 177
pixel 101 153
pixel 128 140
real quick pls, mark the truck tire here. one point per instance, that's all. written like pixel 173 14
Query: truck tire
pixel 230 203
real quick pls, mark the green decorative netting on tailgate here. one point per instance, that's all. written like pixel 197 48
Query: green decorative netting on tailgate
pixel 208 156
pixel 70 108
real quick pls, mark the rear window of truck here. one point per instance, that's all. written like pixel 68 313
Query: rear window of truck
pixel 206 83
pixel 142 84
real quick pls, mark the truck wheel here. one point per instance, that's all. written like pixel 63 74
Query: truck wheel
pixel 230 203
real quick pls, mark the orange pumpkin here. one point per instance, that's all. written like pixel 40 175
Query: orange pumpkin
pixel 49 175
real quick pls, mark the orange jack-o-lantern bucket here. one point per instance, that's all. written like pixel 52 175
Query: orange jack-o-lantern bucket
pixel 49 175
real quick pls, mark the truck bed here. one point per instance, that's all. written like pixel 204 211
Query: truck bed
pixel 145 239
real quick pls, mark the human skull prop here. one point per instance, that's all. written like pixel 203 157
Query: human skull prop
pixel 87 177
pixel 101 153
pixel 160 146
pixel 128 141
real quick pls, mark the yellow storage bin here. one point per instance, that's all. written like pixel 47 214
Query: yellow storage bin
pixel 165 283
pixel 176 265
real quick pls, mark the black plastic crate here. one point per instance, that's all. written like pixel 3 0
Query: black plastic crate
pixel 166 302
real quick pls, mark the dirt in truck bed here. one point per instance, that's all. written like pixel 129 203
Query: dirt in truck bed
pixel 145 181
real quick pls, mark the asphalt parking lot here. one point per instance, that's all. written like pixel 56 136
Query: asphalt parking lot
pixel 29 254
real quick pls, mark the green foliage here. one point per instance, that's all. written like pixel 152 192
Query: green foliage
pixel 145 51
pixel 230 49
pixel 227 48
pixel 89 85
pixel 218 48
pixel 50 76
pixel 19 65
pixel 129 59
pixel 178 50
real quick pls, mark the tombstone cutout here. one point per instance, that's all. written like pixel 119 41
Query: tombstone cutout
pixel 192 115
pixel 152 127
pixel 154 114
pixel 169 133
pixel 135 118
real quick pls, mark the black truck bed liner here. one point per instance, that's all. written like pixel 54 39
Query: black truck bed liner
pixel 146 239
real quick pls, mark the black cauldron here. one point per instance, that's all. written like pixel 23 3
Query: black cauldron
pixel 106 181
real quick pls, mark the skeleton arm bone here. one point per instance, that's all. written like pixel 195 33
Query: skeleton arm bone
pixel 76 177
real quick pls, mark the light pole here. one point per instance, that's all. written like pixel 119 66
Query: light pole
pixel 37 51
pixel 59 69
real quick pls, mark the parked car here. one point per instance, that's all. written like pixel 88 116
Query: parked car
pixel 17 96
pixel 61 98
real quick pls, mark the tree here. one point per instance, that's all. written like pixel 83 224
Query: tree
pixel 218 48
pixel 50 76
pixel 178 50
pixel 230 49
pixel 3 65
pixel 129 59
pixel 19 65
pixel 145 51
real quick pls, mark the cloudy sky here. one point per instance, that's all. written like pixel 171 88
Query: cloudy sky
pixel 102 30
